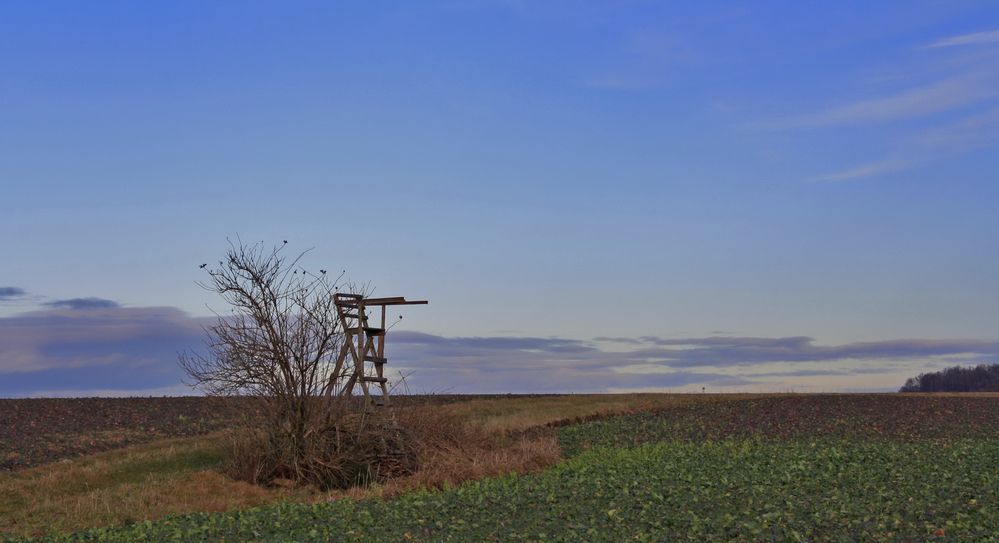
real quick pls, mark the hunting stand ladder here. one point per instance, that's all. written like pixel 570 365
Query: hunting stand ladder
pixel 364 343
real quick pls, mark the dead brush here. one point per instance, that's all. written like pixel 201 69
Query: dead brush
pixel 450 450
pixel 359 449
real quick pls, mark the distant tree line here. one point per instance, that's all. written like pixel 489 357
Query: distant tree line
pixel 981 378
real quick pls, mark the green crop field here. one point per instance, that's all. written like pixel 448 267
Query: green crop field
pixel 789 468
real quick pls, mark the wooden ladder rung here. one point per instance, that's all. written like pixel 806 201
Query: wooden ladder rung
pixel 374 379
pixel 376 359
pixel 369 331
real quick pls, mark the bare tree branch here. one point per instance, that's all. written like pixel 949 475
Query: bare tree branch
pixel 278 342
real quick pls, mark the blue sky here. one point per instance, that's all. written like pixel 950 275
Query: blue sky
pixel 801 195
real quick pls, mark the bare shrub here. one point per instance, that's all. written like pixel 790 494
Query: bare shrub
pixel 278 344
pixel 361 449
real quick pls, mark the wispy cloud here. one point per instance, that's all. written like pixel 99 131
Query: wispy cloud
pixel 747 351
pixel 951 116
pixel 647 60
pixel 976 131
pixel 867 170
pixel 977 38
pixel 966 134
pixel 937 97
pixel 83 303
pixel 628 340
pixel 10 293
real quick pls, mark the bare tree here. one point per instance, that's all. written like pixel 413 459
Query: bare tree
pixel 279 343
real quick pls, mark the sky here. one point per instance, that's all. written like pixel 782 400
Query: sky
pixel 594 196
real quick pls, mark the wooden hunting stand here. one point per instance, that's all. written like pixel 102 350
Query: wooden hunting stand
pixel 364 343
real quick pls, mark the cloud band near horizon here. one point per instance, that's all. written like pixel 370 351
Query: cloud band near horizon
pixel 91 346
